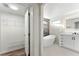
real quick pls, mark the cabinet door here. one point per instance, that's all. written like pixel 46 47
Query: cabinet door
pixel 76 42
pixel 67 41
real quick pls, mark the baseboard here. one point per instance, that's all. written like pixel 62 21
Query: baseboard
pixel 15 46
pixel 4 52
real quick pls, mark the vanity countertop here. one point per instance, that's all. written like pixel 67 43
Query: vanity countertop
pixel 68 33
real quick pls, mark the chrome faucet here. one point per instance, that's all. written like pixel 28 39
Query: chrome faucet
pixel 74 33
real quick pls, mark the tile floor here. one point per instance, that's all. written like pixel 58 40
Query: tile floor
pixel 55 50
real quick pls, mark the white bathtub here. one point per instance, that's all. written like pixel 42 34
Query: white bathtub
pixel 48 40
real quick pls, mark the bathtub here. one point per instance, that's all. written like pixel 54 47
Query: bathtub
pixel 48 40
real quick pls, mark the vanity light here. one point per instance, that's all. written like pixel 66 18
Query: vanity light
pixel 56 22
pixel 13 7
pixel 44 22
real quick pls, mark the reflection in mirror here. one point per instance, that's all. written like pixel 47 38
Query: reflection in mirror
pixel 77 25
pixel 72 23
pixel 46 27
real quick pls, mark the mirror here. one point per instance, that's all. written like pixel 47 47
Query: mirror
pixel 72 23
pixel 77 25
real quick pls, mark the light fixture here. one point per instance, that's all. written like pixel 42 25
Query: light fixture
pixel 13 7
pixel 44 22
pixel 56 22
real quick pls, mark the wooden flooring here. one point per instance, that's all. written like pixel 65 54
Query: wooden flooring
pixel 19 52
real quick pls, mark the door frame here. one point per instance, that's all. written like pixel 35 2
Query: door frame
pixel 36 29
pixel 41 28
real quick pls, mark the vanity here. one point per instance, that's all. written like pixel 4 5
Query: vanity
pixel 70 39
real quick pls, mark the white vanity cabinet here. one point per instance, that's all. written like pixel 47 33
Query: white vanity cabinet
pixel 66 40
pixel 76 42
pixel 69 41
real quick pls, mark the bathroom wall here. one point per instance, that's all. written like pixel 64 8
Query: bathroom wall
pixel 56 29
pixel 12 32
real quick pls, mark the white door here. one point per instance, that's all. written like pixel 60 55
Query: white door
pixel 76 42
pixel 68 41
pixel 26 32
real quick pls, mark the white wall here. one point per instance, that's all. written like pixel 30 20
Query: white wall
pixel 12 32
pixel 56 29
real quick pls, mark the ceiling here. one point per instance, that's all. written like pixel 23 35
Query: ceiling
pixel 22 8
pixel 53 10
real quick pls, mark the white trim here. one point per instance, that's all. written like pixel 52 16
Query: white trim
pixel 41 29
pixel 36 49
pixel 31 31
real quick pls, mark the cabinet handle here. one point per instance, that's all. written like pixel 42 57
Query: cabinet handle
pixel 61 41
pixel 73 38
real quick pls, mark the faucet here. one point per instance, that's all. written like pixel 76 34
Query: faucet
pixel 75 33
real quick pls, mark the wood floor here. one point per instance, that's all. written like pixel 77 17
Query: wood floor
pixel 19 52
